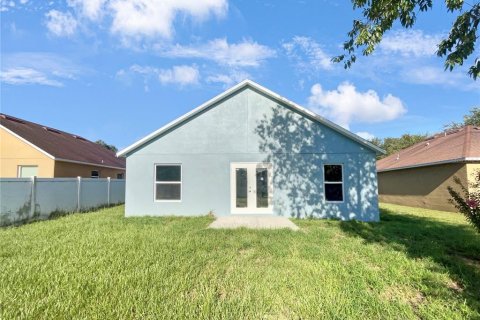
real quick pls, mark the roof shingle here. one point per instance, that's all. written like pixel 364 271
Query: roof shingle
pixel 455 145
pixel 60 144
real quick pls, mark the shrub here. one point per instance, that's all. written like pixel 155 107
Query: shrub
pixel 468 201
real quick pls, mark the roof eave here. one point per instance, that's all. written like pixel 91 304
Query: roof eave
pixel 53 157
pixel 254 85
pixel 427 164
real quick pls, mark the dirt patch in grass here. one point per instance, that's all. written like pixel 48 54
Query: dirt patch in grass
pixel 472 262
pixel 455 286
pixel 403 294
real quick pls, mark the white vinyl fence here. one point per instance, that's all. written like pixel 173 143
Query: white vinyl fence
pixel 26 199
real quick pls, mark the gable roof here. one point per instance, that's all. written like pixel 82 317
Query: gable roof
pixel 458 145
pixel 60 145
pixel 265 91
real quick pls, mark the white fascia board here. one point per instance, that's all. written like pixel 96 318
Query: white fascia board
pixel 27 142
pixel 265 91
pixel 179 120
pixel 317 117
pixel 426 164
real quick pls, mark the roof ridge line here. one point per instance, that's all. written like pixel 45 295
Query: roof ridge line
pixel 468 138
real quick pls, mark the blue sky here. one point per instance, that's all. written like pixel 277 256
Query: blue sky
pixel 118 69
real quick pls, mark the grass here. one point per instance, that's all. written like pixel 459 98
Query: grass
pixel 414 264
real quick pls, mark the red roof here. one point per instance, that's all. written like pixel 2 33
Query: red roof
pixel 451 146
pixel 60 144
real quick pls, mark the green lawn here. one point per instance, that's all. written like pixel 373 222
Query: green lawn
pixel 414 264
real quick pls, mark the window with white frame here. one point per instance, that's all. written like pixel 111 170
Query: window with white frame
pixel 27 171
pixel 95 174
pixel 333 182
pixel 168 182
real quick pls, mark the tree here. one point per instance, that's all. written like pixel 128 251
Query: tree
pixel 379 16
pixel 394 145
pixel 467 201
pixel 472 119
pixel 106 145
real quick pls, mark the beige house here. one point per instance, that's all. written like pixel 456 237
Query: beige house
pixel 30 149
pixel 419 175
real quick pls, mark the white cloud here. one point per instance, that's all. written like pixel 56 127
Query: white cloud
pixel 91 9
pixel 228 79
pixel 61 24
pixel 149 18
pixel 243 54
pixel 133 20
pixel 48 63
pixel 410 43
pixel 308 54
pixel 182 75
pixel 365 135
pixel 6 5
pixel 346 105
pixel 19 76
pixel 432 76
pixel 43 68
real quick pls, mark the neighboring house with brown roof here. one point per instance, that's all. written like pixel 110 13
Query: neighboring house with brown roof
pixel 30 149
pixel 419 175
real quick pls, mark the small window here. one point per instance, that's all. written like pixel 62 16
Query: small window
pixel 333 183
pixel 119 175
pixel 27 171
pixel 95 174
pixel 168 182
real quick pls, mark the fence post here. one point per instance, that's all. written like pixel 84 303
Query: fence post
pixel 108 191
pixel 79 192
pixel 33 199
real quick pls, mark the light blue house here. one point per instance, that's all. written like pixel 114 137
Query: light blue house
pixel 251 151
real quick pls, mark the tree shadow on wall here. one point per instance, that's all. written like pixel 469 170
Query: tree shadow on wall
pixel 298 147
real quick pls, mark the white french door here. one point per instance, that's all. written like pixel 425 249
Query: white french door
pixel 251 187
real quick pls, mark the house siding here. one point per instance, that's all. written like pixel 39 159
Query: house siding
pixel 250 127
pixel 473 169
pixel 15 152
pixel 70 169
pixel 424 187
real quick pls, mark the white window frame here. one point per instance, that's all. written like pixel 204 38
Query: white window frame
pixel 155 182
pixel 333 182
pixel 91 175
pixel 20 166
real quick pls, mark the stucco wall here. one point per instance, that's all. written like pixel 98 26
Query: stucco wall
pixel 69 169
pixel 249 127
pixel 15 152
pixel 424 187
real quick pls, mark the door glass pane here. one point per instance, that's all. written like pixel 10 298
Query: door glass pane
pixel 241 184
pixel 262 187
pixel 168 191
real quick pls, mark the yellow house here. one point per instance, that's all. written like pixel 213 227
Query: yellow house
pixel 30 149
pixel 419 175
